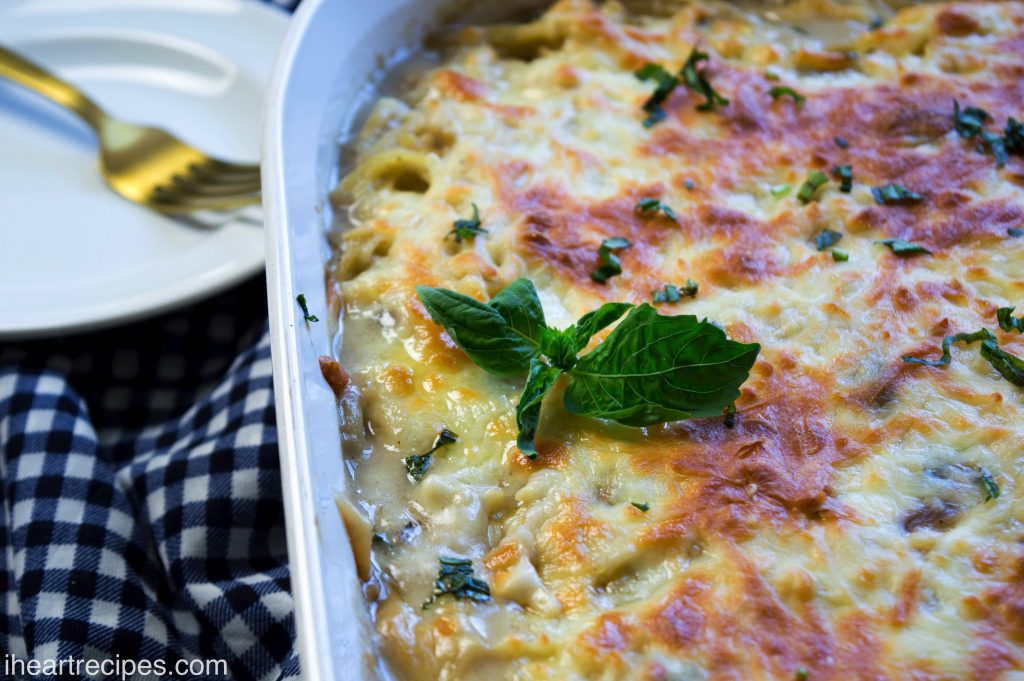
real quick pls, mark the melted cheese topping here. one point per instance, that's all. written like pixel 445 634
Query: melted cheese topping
pixel 840 526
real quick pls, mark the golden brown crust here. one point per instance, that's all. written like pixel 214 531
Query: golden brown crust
pixel 840 524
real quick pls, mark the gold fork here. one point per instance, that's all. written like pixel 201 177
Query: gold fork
pixel 145 165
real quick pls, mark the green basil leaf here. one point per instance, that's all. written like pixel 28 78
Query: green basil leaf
pixel 670 293
pixel 1007 322
pixel 839 255
pixel 609 264
pixel 947 342
pixel 845 175
pixel 1010 366
pixel 542 377
pixel 1013 136
pixel 649 207
pixel 786 91
pixel 996 146
pixel 416 465
pixel 641 506
pixel 968 122
pixel 894 194
pixel 665 83
pixel 480 330
pixel 455 578
pixel 301 300
pixel 779 190
pixel 653 369
pixel 698 81
pixel 827 238
pixel 989 483
pixel 841 142
pixel 901 247
pixel 519 304
pixel 592 322
pixel 811 185
pixel 467 229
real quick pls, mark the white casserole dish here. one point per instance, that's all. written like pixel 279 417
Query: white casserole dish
pixel 325 69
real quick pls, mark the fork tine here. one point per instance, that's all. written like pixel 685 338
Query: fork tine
pixel 193 203
pixel 190 184
pixel 214 166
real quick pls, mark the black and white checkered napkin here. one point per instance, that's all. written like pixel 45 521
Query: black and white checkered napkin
pixel 140 495
pixel 140 507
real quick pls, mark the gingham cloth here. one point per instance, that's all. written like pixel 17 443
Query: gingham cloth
pixel 140 511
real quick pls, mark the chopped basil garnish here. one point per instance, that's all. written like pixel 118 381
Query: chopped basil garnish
pixel 697 81
pixel 947 342
pixel 845 175
pixel 1015 232
pixel 672 294
pixel 1007 322
pixel 650 207
pixel 643 507
pixel 1013 136
pixel 839 255
pixel 467 229
pixel 665 83
pixel 811 185
pixel 989 483
pixel 416 465
pixel 901 247
pixel 771 75
pixel 1009 366
pixel 455 578
pixel 875 23
pixel 826 238
pixel 841 142
pixel 970 123
pixel 301 300
pixel 688 183
pixel 786 91
pixel 610 265
pixel 779 190
pixel 800 674
pixel 894 193
pixel 650 369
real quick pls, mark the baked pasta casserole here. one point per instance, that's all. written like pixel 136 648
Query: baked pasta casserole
pixel 827 198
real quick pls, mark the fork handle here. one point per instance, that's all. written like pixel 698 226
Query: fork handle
pixel 41 81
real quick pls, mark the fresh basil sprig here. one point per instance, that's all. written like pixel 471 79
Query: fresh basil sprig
pixel 650 369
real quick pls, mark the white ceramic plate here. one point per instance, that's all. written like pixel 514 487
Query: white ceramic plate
pixel 73 255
